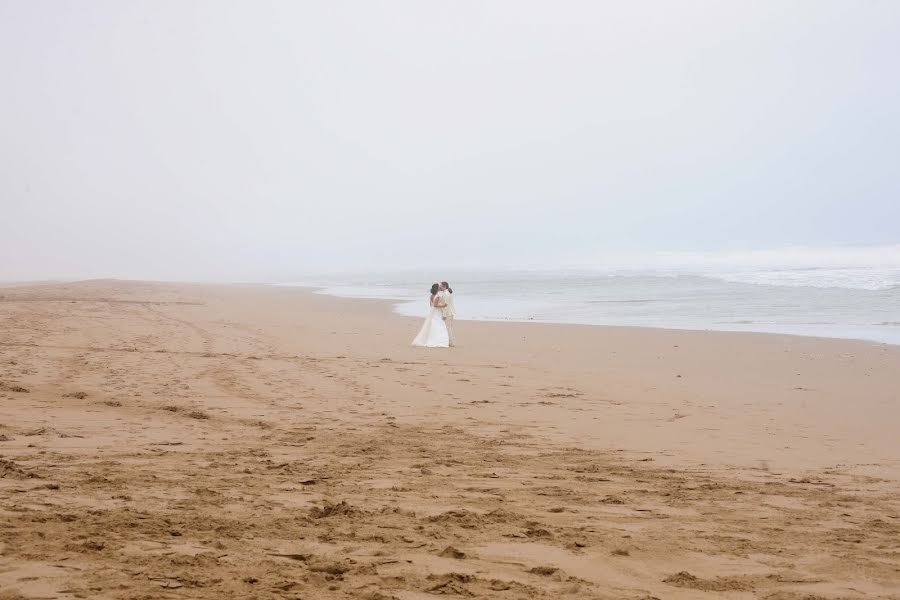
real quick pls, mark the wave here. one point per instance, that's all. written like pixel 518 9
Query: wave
pixel 863 303
pixel 873 280
pixel 884 256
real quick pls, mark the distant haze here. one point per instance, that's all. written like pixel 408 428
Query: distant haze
pixel 226 140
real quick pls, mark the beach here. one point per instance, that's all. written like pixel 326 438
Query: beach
pixel 173 440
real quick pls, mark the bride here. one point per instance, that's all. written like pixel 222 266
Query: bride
pixel 434 332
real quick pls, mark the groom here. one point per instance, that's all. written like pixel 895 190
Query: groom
pixel 448 310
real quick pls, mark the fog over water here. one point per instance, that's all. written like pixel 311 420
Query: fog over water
pixel 225 140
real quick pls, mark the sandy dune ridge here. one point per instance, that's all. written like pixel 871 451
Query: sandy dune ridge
pixel 190 441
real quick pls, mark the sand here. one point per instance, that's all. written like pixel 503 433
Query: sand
pixel 198 441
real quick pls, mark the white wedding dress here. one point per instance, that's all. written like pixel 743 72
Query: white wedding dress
pixel 434 332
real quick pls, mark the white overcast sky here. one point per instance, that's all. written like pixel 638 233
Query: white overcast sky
pixel 190 139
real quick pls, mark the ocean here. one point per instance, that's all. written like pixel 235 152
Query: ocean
pixel 854 303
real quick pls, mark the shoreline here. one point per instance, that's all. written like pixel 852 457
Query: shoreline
pixel 395 303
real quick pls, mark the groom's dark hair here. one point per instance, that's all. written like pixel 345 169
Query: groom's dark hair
pixel 447 285
pixel 434 289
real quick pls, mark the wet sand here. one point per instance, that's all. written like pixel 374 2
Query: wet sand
pixel 199 441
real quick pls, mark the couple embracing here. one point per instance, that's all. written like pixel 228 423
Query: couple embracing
pixel 437 331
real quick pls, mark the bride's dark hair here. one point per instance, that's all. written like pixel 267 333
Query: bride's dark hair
pixel 447 285
pixel 434 288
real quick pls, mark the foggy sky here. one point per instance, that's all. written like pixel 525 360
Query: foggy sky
pixel 226 140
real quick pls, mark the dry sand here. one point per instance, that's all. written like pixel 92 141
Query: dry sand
pixel 189 441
